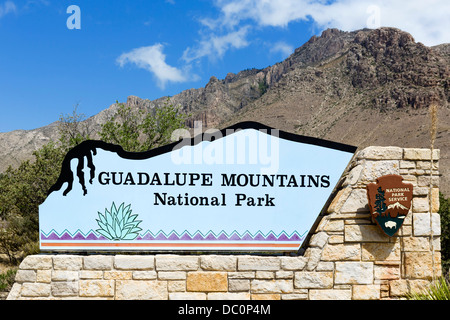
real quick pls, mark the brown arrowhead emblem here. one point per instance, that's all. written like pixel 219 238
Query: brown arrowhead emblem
pixel 389 202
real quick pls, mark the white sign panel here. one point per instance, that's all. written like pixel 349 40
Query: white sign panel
pixel 244 188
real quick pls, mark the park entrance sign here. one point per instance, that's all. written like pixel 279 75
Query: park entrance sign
pixel 245 188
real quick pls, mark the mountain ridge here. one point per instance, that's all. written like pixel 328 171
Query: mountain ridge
pixel 365 87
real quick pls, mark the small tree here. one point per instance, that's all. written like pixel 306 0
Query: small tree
pixel 22 190
pixel 444 212
pixel 138 131
pixel 73 129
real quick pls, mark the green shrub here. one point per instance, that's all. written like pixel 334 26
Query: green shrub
pixel 7 279
pixel 23 189
pixel 444 211
pixel 439 290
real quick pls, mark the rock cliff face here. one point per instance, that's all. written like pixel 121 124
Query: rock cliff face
pixel 367 87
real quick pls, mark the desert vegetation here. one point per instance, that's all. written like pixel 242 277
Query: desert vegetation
pixel 24 188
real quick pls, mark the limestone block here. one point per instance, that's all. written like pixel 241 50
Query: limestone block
pixel 313 255
pixel 424 181
pixel 98 262
pixel 284 275
pixel 187 296
pixel 421 191
pixel 176 263
pixel 266 296
pixel 37 262
pixel 375 169
pixel 65 275
pixel 364 233
pixel 67 262
pixel 144 275
pixel 218 263
pixel 341 252
pixel 334 226
pixel 241 275
pixel 118 275
pixel 25 276
pixel 96 288
pixel 238 285
pixel 264 275
pixel 325 266
pixel 172 275
pixel 425 165
pixel 176 286
pixel 272 286
pixel 375 251
pixel 398 288
pixel 14 293
pixel 333 294
pixel 133 262
pixel 387 272
pixel 339 200
pixel 419 265
pixel 416 244
pixel 435 200
pixel 35 290
pixel 336 239
pixel 319 240
pixel 354 273
pixel 353 176
pixel 44 276
pixel 422 225
pixel 418 286
pixel 420 154
pixel 65 289
pixel 313 280
pixel 294 296
pixel 258 263
pixel 420 205
pixel 229 296
pixel 405 164
pixel 91 274
pixel 381 153
pixel 356 202
pixel 366 292
pixel 141 290
pixel 207 281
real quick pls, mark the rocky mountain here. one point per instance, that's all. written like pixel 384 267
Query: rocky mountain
pixel 367 87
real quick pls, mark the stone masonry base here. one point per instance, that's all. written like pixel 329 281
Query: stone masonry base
pixel 348 256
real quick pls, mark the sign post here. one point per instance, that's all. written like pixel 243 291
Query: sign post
pixel 244 188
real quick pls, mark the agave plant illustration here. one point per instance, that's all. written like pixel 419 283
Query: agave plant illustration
pixel 118 223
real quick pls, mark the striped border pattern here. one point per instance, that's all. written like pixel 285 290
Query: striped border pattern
pixel 174 241
pixel 175 236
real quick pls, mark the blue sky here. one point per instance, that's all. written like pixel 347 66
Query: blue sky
pixel 157 48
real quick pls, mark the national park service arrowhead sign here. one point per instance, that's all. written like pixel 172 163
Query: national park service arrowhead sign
pixel 247 187
pixel 389 202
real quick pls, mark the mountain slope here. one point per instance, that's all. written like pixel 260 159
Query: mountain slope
pixel 374 90
pixel 367 87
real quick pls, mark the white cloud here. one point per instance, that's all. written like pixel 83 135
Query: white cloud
pixel 153 59
pixel 283 48
pixel 427 21
pixel 215 46
pixel 7 7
